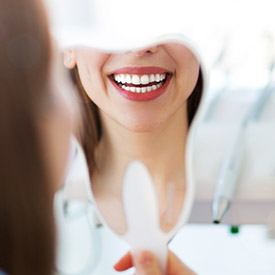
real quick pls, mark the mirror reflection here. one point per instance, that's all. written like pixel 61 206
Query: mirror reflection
pixel 138 106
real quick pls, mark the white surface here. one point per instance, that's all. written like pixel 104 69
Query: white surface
pixel 212 250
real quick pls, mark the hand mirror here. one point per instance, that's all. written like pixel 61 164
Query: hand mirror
pixel 142 103
pixel 111 70
pixel 140 86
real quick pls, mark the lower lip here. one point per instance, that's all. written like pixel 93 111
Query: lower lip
pixel 143 96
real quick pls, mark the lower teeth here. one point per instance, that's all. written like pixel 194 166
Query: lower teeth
pixel 141 89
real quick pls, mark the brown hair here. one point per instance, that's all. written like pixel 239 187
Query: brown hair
pixel 27 241
pixel 91 125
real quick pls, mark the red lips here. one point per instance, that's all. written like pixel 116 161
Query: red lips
pixel 135 96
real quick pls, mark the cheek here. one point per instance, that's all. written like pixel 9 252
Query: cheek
pixel 187 68
pixel 87 78
pixel 90 68
pixel 187 76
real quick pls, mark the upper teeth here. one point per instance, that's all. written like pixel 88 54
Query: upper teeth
pixel 139 79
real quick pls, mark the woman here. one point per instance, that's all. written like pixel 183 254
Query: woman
pixel 35 123
pixel 139 106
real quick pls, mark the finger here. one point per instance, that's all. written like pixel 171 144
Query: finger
pixel 124 263
pixel 146 264
pixel 177 267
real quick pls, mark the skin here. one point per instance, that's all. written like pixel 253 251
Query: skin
pixel 150 131
pixel 146 264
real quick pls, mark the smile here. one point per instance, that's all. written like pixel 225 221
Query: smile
pixel 141 83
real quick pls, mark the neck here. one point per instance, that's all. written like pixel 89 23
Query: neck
pixel 162 150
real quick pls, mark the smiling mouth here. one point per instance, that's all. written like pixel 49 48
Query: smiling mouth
pixel 140 84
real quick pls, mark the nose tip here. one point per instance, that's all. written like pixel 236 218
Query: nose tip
pixel 146 51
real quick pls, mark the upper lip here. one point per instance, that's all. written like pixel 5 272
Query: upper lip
pixel 140 70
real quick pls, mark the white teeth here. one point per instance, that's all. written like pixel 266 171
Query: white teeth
pixel 126 88
pixel 144 79
pixel 128 78
pixel 117 77
pixel 143 89
pixel 139 79
pixel 149 89
pixel 136 80
pixel 122 78
pixel 152 78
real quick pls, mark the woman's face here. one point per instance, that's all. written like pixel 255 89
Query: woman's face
pixel 140 90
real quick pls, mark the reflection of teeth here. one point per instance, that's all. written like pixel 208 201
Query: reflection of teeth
pixel 139 79
pixel 141 89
